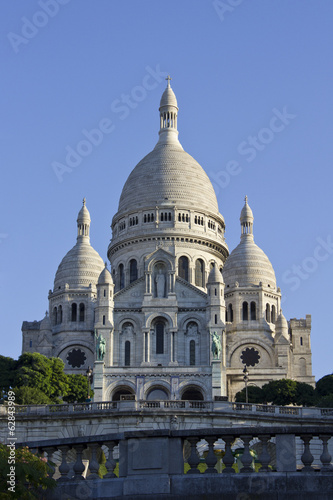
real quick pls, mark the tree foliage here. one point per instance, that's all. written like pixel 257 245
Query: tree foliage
pixel 28 477
pixel 280 392
pixel 324 386
pixel 37 379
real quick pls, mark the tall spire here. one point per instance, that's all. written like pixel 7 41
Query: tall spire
pixel 168 115
pixel 246 220
pixel 83 223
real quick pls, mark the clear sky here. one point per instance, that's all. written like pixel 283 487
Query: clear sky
pixel 254 82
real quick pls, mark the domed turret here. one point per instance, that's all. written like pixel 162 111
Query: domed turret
pixel 82 265
pixel 105 277
pixel 281 328
pixel 248 264
pixel 215 276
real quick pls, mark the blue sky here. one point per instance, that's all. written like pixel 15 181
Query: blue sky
pixel 253 80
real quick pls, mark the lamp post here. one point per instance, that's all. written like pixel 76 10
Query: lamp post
pixel 246 379
pixel 89 376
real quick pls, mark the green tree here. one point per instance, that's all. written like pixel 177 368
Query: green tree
pixel 305 394
pixel 7 373
pixel 28 477
pixel 26 395
pixel 255 395
pixel 42 373
pixel 78 389
pixel 280 392
pixel 324 386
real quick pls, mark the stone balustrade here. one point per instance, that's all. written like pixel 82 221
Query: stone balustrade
pixel 203 406
pixel 153 463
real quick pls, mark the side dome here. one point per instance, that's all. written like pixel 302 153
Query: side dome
pixel 105 277
pixel 82 265
pixel 248 264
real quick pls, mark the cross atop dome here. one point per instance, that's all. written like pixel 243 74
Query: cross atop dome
pixel 168 78
pixel 84 201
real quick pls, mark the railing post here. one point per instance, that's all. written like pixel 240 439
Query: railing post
pixel 285 452
pixel 246 457
pixel 228 458
pixel 64 467
pixel 264 457
pixel 193 459
pixel 307 457
pixel 325 457
pixel 93 462
pixel 211 458
pixel 110 464
pixel 78 466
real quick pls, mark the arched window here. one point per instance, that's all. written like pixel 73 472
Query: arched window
pixel 192 352
pixel 245 311
pixel 183 268
pixel 55 316
pixel 103 319
pixel 273 315
pixel 215 318
pixel 159 338
pixel 230 313
pixel 133 270
pixel 200 273
pixel 81 312
pixel 192 394
pixel 301 340
pixel 59 315
pixel 121 276
pixel 253 311
pixel 127 353
pixel 74 312
pixel 268 313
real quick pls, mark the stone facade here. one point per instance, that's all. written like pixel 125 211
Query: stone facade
pixel 147 327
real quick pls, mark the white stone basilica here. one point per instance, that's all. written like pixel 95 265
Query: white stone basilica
pixel 173 284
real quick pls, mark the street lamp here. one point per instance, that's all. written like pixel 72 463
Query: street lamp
pixel 89 376
pixel 246 379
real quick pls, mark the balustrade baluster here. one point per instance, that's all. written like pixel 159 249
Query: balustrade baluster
pixel 64 467
pixel 50 450
pixel 93 462
pixel 211 458
pixel 193 459
pixel 307 457
pixel 78 466
pixel 110 464
pixel 228 458
pixel 264 457
pixel 325 457
pixel 246 457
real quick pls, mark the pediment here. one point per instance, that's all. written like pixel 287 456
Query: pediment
pixel 132 294
pixel 186 292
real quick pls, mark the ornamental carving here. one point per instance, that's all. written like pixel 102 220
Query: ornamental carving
pixel 250 356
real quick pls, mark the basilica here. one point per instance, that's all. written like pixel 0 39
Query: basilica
pixel 177 317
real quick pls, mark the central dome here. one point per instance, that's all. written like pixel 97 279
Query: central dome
pixel 168 174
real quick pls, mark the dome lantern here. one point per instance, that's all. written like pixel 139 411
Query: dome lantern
pixel 83 223
pixel 246 220
pixel 168 115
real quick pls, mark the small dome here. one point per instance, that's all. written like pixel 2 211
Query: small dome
pixel 281 328
pixel 81 266
pixel 215 275
pixel 84 215
pixel 248 265
pixel 246 213
pixel 105 277
pixel 168 97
